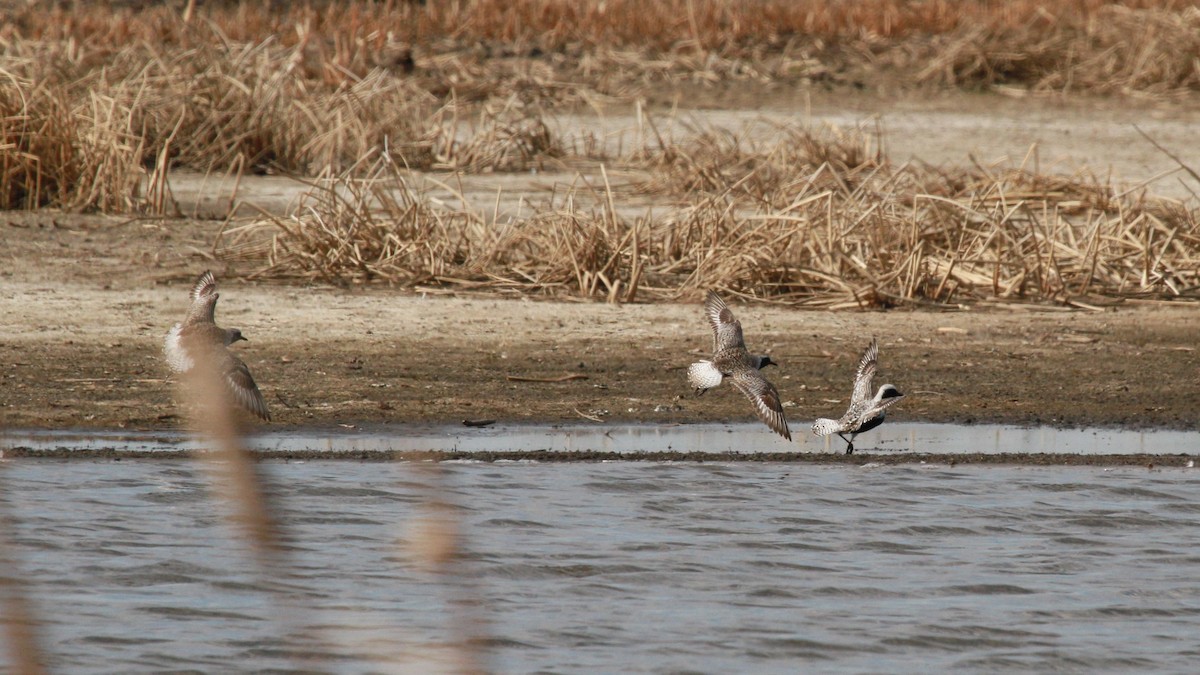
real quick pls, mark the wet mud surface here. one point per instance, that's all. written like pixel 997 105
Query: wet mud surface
pixel 83 333
pixel 1150 461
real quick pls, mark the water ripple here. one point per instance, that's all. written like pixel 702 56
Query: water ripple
pixel 733 567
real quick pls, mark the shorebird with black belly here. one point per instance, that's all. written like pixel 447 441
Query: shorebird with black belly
pixel 198 340
pixel 865 412
pixel 730 359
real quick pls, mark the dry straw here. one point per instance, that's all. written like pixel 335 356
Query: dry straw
pixel 819 218
pixel 97 99
pixel 65 146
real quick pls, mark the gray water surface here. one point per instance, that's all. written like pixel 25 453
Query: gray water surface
pixel 617 567
pixel 748 438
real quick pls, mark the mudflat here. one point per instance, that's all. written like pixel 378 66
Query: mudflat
pixel 85 301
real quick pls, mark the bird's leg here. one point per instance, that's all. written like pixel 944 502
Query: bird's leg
pixel 700 391
pixel 849 444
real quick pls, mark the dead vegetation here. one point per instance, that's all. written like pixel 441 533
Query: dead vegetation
pixel 820 218
pixel 1116 50
pixel 99 103
pixel 98 97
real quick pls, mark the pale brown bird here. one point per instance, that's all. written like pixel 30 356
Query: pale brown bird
pixel 198 339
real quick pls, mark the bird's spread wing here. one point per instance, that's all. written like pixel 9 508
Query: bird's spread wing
pixel 865 374
pixel 205 285
pixel 765 399
pixel 204 298
pixel 727 331
pixel 859 415
pixel 887 402
pixel 241 385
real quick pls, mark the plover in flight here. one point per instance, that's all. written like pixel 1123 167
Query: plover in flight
pixel 865 412
pixel 730 359
pixel 198 338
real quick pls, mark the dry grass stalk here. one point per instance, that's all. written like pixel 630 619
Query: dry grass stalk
pixel 235 474
pixel 307 88
pixel 66 148
pixel 238 483
pixel 539 49
pixel 436 541
pixel 240 486
pixel 818 219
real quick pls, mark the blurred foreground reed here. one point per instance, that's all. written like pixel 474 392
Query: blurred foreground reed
pixel 240 487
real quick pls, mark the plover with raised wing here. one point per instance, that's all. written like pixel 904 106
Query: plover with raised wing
pixel 865 412
pixel 730 359
pixel 198 339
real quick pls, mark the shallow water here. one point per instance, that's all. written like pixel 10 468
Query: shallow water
pixel 749 438
pixel 618 567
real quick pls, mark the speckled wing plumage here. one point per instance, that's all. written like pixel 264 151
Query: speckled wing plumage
pixel 857 414
pixel 204 300
pixel 727 331
pixel 241 384
pixel 764 397
pixel 866 373
pixel 867 411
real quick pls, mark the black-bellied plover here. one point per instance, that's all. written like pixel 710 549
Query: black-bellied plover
pixel 199 339
pixel 730 359
pixel 865 412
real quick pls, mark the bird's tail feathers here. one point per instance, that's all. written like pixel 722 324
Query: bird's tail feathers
pixel 825 426
pixel 703 375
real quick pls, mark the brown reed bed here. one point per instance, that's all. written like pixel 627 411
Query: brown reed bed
pixel 99 100
pixel 1129 44
pixel 1117 50
pixel 84 139
pixel 826 223
pixel 66 147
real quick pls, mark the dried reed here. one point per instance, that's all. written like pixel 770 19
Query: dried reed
pixel 1115 50
pixel 243 490
pixel 65 147
pixel 358 231
pixel 96 96
pixel 538 48
pixel 820 218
